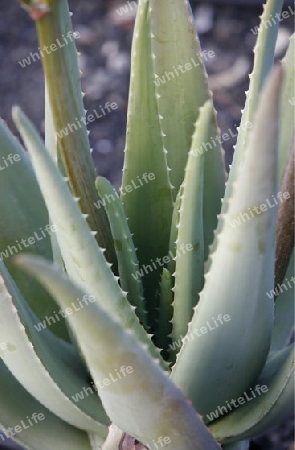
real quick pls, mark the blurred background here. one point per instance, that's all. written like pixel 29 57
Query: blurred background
pixel 227 27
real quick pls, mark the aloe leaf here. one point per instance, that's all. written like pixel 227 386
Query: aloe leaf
pixel 62 77
pixel 286 129
pixel 274 403
pixel 165 310
pixel 174 230
pixel 263 63
pixel 125 374
pixel 146 190
pixel 180 79
pixel 35 424
pixel 83 258
pixel 51 145
pixel 58 374
pixel 24 222
pixel 189 271
pixel 127 260
pixel 284 309
pixel 210 369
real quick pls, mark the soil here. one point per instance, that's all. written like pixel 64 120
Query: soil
pixel 104 43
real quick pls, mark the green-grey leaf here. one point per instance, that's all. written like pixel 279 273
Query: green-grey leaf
pixel 180 80
pixel 83 258
pixel 165 310
pixel 130 279
pixel 266 410
pixel 210 369
pixel 189 271
pixel 62 79
pixel 147 202
pixel 137 394
pixel 24 220
pixel 263 63
pixel 174 230
pixel 18 406
pixel 58 374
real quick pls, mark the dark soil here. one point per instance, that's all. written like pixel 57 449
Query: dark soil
pixel 105 60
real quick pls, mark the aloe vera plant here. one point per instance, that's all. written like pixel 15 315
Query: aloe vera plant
pixel 149 318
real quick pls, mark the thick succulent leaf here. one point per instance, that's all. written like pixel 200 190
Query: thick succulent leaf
pixel 62 79
pixel 211 369
pixel 180 80
pixel 189 271
pixel 135 392
pixel 83 258
pixel 51 145
pixel 24 219
pixel 287 124
pixel 165 310
pixel 266 410
pixel 147 201
pixel 20 409
pixel 58 374
pixel 130 278
pixel 263 63
pixel 284 309
pixel 174 230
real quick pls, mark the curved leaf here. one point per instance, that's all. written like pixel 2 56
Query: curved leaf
pixel 58 373
pixel 62 79
pixel 127 260
pixel 19 409
pixel 125 375
pixel 210 369
pixel 83 258
pixel 266 410
pixel 263 64
pixel 24 223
